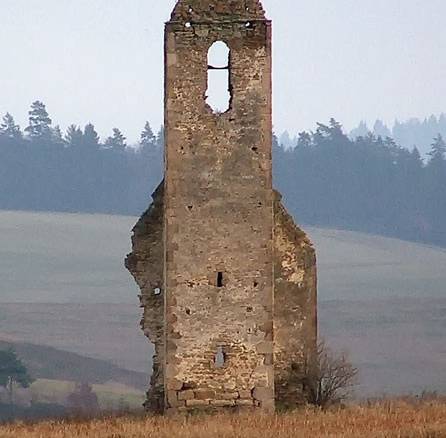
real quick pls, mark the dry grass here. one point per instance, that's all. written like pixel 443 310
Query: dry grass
pixel 390 419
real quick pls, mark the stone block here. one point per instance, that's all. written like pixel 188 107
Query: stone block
pixel 228 396
pixel 268 406
pixel 172 400
pixel 196 403
pixel 186 395
pixel 171 59
pixel 172 396
pixel 170 371
pixel 265 347
pixel 263 394
pixel 245 394
pixel 204 394
pixel 229 386
pixel 268 359
pixel 174 385
pixel 245 402
pixel 223 403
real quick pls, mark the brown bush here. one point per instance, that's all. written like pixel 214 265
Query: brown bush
pixel 329 379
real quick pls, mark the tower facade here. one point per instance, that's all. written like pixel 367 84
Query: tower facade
pixel 218 209
pixel 217 248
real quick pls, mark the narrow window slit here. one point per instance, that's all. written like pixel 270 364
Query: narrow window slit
pixel 220 279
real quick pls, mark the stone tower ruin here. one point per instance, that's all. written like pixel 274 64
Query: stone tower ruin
pixel 228 282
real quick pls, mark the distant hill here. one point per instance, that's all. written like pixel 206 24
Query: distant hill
pixel 63 284
pixel 79 259
pixel 52 364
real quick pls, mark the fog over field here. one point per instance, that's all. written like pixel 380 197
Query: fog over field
pixel 64 285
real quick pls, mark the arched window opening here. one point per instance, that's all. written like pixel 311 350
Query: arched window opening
pixel 218 94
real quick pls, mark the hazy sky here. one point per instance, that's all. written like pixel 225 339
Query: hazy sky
pixel 101 60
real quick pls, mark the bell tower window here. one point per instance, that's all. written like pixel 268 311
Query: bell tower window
pixel 218 94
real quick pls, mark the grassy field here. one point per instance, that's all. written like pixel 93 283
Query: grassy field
pixel 64 285
pixel 63 258
pixel 386 420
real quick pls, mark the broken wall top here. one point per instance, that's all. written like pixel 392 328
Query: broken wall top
pixel 217 10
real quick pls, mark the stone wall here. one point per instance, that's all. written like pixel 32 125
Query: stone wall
pixel 295 311
pixel 146 265
pixel 218 215
pixel 295 308
pixel 217 248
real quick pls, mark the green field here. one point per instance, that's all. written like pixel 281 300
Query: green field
pixel 64 285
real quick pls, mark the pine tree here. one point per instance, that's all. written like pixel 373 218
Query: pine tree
pixel 148 138
pixel 381 130
pixel 160 138
pixel 416 157
pixel 8 127
pixel 91 137
pixel 361 131
pixel 56 135
pixel 330 131
pixel 438 151
pixel 442 122
pixel 435 190
pixel 39 122
pixel 335 126
pixel 117 141
pixel 12 372
pixel 74 136
pixel 305 140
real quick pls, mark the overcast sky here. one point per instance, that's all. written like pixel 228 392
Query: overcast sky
pixel 101 60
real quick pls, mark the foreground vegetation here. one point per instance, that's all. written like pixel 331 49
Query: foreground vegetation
pixel 387 419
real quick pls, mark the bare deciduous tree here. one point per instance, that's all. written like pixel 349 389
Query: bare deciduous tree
pixel 330 378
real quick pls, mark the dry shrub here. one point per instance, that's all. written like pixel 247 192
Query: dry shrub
pixel 329 378
pixel 426 420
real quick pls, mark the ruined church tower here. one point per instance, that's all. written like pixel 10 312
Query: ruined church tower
pixel 216 253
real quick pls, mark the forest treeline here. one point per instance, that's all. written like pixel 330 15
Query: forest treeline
pixel 410 133
pixel 328 179
pixel 413 132
pixel 367 184
pixel 42 169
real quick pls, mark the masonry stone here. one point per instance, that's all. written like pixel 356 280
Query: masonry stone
pixel 228 281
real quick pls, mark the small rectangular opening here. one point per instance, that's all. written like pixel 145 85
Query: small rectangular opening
pixel 220 279
pixel 220 357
